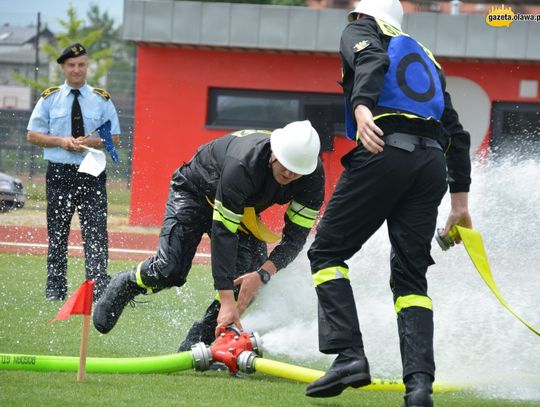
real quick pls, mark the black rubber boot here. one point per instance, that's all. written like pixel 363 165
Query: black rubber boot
pixel 415 326
pixel 418 390
pixel 350 368
pixel 202 330
pixel 121 290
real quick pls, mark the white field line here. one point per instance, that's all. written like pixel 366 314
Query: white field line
pixel 80 248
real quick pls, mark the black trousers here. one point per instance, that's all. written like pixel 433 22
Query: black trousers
pixel 68 191
pixel 400 187
pixel 187 217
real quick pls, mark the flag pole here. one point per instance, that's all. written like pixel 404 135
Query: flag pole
pixel 84 346
pixel 80 303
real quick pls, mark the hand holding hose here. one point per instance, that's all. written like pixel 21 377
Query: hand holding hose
pixel 459 214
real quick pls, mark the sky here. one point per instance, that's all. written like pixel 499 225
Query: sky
pixel 24 12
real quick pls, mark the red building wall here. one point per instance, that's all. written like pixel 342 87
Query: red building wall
pixel 171 105
pixel 500 80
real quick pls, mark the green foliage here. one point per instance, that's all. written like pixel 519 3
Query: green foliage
pixel 110 35
pixel 120 69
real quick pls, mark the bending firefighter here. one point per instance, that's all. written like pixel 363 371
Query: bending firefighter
pixel 401 117
pixel 220 192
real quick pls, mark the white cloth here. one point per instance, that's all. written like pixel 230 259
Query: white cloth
pixel 94 162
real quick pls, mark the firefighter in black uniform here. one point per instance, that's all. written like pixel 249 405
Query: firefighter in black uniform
pixel 221 191
pixel 399 112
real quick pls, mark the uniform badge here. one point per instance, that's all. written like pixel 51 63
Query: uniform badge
pixel 361 45
pixel 103 93
pixel 49 91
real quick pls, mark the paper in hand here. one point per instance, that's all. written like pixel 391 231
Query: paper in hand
pixel 94 162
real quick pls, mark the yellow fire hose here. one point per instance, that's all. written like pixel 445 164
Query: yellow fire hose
pixel 472 240
pixel 305 375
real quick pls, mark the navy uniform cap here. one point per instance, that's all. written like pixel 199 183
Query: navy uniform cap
pixel 73 51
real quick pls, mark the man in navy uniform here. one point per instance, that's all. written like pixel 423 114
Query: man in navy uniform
pixel 61 118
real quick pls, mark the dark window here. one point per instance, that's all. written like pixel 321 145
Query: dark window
pixel 241 109
pixel 515 129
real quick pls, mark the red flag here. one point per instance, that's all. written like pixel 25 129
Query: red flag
pixel 80 302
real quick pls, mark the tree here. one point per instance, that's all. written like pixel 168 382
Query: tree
pixel 110 36
pixel 120 77
pixel 75 32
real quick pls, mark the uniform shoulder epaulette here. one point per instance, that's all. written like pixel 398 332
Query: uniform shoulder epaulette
pixel 49 91
pixel 103 93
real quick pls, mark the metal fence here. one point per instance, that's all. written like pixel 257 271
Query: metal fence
pixel 20 158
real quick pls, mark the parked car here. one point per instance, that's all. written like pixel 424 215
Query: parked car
pixel 12 194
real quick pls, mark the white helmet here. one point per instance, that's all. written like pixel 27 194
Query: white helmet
pixel 296 146
pixel 390 11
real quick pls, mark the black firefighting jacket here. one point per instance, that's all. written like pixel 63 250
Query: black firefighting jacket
pixel 233 172
pixel 365 61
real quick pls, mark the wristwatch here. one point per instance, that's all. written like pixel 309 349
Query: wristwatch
pixel 264 275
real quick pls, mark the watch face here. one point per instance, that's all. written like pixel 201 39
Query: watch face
pixel 265 275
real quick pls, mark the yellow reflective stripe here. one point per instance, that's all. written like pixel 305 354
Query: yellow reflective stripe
pixel 392 31
pixel 413 301
pixel 448 145
pixel 407 115
pixel 243 133
pixel 304 210
pixel 251 223
pixel 301 215
pixel 230 219
pixel 218 298
pixel 330 273
pixel 139 278
pixel 231 226
pixel 388 29
pixel 430 55
pixel 233 217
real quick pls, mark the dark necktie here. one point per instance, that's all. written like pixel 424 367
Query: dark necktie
pixel 77 124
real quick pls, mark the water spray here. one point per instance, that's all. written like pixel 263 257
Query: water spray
pixel 240 351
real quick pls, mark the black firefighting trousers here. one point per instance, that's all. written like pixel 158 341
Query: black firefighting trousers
pixel 403 188
pixel 187 217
